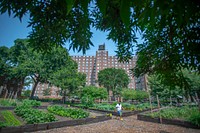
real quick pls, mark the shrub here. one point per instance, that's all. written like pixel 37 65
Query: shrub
pixel 87 101
pixel 130 94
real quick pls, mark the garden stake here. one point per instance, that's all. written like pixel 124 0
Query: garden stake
pixel 159 109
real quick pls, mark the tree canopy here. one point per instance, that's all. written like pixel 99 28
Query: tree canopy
pixel 170 28
pixel 23 61
pixel 164 89
pixel 113 79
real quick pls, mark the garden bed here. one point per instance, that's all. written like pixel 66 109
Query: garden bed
pixel 61 122
pixel 128 109
pixel 114 113
pixel 167 121
pixel 51 125
pixel 185 117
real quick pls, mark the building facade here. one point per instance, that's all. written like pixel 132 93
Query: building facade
pixel 91 65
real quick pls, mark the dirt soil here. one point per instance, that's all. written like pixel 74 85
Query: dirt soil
pixel 128 125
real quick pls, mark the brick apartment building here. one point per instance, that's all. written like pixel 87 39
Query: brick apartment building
pixel 91 65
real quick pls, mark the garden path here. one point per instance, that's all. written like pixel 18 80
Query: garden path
pixel 128 125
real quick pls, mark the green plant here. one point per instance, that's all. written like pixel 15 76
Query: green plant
pixel 3 124
pixel 187 113
pixel 8 102
pixel 128 106
pixel 31 102
pixel 10 119
pixel 32 116
pixel 104 106
pixel 194 117
pixel 68 112
pixel 87 100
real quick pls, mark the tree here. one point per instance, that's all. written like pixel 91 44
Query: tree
pixel 94 92
pixel 113 79
pixel 38 65
pixel 170 29
pixel 165 90
pixel 12 83
pixel 91 93
pixel 4 66
pixel 68 78
pixel 130 94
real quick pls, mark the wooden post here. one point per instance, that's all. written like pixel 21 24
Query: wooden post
pixel 170 98
pixel 198 100
pixel 6 94
pixel 159 108
pixel 150 101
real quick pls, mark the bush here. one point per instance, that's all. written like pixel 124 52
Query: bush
pixel 130 94
pixel 87 101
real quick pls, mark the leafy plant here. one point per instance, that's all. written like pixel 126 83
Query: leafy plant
pixel 10 119
pixel 68 112
pixel 87 100
pixel 32 116
pixel 194 117
pixel 130 94
pixel 3 124
pixel 8 102
pixel 104 107
pixel 187 113
pixel 31 102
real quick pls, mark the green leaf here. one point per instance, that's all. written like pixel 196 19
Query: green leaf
pixel 102 4
pixel 125 12
pixel 84 4
pixel 70 4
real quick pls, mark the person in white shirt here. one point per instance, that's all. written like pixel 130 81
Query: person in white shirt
pixel 119 110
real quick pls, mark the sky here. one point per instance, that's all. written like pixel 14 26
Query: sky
pixel 11 29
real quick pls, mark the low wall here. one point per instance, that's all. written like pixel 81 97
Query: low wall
pixel 51 125
pixel 167 121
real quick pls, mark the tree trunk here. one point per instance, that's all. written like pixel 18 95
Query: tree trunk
pixel 64 95
pixel 34 88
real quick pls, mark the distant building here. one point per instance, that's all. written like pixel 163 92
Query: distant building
pixel 91 65
pixel 53 91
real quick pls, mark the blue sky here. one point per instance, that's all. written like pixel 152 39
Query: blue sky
pixel 12 29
